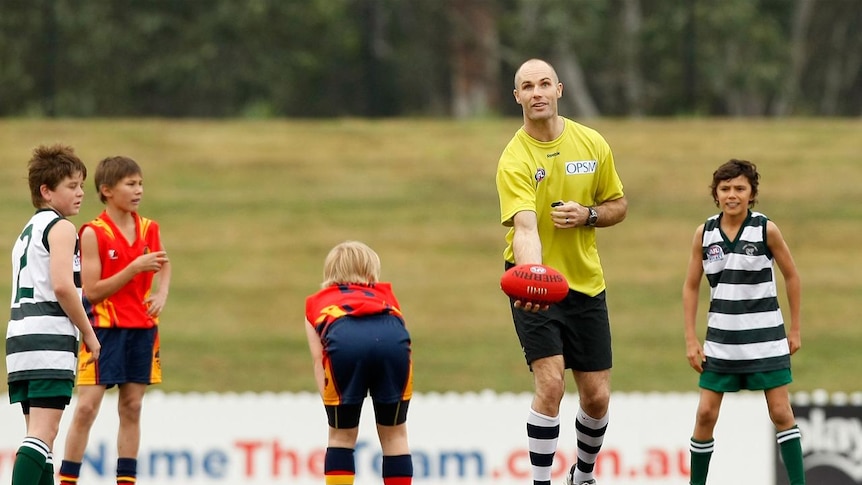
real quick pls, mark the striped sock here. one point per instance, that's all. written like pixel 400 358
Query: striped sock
pixel 127 471
pixel 48 471
pixel 397 470
pixel 30 461
pixel 701 453
pixel 542 435
pixel 69 472
pixel 790 446
pixel 591 434
pixel 339 467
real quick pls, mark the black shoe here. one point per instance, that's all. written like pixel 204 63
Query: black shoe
pixel 570 478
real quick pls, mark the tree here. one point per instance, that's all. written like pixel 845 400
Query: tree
pixel 549 30
pixel 323 58
pixel 802 14
pixel 475 58
pixel 631 19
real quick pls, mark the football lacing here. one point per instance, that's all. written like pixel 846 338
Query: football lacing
pixel 535 290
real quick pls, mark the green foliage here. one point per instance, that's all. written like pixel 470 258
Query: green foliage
pixel 375 58
pixel 741 54
pixel 249 209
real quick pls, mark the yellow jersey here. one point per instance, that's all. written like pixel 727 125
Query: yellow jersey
pixel 577 166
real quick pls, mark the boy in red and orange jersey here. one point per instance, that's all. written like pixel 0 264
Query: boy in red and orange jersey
pixel 121 252
pixel 360 346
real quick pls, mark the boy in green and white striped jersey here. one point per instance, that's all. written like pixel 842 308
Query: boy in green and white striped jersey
pixel 47 313
pixel 746 345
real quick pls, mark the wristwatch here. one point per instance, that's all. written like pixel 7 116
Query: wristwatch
pixel 593 217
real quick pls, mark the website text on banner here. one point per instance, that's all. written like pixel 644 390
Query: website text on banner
pixel 254 439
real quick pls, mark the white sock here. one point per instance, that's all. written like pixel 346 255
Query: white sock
pixel 542 433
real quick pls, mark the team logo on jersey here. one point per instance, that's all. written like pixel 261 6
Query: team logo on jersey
pixel 540 174
pixel 112 254
pixel 714 253
pixel 749 249
pixel 580 167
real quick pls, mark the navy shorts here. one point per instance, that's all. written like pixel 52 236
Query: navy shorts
pixel 367 355
pixel 127 355
pixel 576 328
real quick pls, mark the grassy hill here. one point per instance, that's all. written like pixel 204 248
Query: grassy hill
pixel 249 209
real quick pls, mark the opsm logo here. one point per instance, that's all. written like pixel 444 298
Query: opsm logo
pixel 581 167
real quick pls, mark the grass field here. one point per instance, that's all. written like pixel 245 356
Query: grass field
pixel 249 209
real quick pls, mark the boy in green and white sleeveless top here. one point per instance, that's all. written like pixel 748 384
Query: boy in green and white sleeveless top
pixel 47 313
pixel 746 346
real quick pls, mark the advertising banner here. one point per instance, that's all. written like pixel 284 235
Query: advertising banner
pixel 831 444
pixel 473 438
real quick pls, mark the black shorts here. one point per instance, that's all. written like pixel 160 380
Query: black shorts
pixel 576 328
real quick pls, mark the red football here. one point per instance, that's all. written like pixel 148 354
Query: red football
pixel 534 283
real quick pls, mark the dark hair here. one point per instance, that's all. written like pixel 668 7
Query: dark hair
pixel 112 171
pixel 49 166
pixel 732 169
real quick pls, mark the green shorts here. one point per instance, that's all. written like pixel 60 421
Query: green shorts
pixel 24 391
pixel 752 381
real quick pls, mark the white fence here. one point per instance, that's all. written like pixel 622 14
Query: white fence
pixel 469 438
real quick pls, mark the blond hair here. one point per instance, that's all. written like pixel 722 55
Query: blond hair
pixel 351 262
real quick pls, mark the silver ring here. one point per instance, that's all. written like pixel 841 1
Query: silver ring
pixel 567 220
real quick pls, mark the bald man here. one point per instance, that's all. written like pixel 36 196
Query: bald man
pixel 557 184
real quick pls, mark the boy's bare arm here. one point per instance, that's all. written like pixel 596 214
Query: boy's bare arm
pixel 61 239
pixel 159 297
pixel 792 283
pixel 690 295
pixel 97 289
